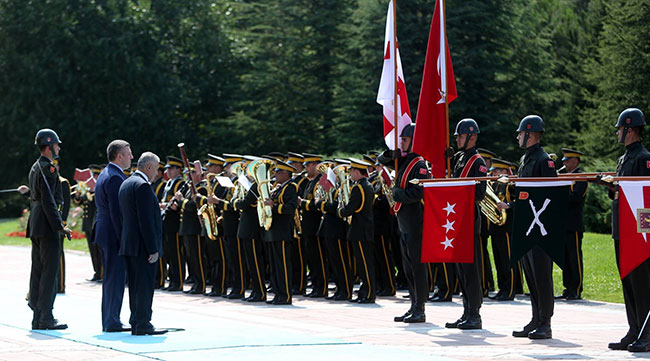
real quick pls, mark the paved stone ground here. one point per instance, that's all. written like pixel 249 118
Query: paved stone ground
pixel 309 329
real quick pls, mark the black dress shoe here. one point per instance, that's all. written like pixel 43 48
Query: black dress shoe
pixel 235 296
pixel 315 295
pixel 332 296
pixel 365 300
pixel 437 298
pixel 472 323
pixel 148 332
pixel 174 288
pixel 541 333
pixel 280 302
pixel 188 291
pixel 623 343
pixel 53 325
pixel 526 330
pixel 385 293
pixel 503 297
pixel 402 317
pixel 416 316
pixel 571 297
pixel 213 294
pixel 196 292
pixel 118 329
pixel 341 298
pixel 256 299
pixel 455 323
pixel 642 345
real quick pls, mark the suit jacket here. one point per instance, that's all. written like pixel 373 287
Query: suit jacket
pixel 108 227
pixel 142 224
pixel 44 218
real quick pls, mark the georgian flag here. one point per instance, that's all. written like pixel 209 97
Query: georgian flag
pixel 386 93
pixel 633 225
pixel 448 230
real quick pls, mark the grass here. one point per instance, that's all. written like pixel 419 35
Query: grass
pixel 601 279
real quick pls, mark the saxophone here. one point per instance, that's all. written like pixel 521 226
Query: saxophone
pixel 208 212
pixel 489 207
pixel 260 170
pixel 343 175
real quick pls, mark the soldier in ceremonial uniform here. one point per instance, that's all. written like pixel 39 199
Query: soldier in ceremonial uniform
pixel 299 271
pixel 636 285
pixel 87 202
pixel 360 232
pixel 573 270
pixel 65 211
pixel 468 163
pixel 314 246
pixel 284 200
pixel 45 229
pixel 172 246
pixel 487 281
pixel 538 266
pixel 410 217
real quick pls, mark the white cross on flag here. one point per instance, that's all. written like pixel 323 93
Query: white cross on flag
pixel 633 225
pixel 448 231
pixel 386 93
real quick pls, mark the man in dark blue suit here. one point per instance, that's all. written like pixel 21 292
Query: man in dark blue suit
pixel 108 230
pixel 141 241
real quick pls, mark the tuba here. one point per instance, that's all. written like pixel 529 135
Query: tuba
pixel 208 213
pixel 343 175
pixel 260 170
pixel 489 207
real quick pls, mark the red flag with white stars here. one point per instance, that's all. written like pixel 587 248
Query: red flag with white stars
pixel 448 231
pixel 633 225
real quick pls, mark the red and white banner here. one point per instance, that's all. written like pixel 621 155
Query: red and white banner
pixel 438 86
pixel 386 93
pixel 633 224
pixel 448 231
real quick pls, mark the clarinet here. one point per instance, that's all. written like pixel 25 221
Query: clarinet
pixel 173 201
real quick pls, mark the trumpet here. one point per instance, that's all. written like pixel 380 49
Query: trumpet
pixel 489 207
pixel 343 175
pixel 208 213
pixel 260 170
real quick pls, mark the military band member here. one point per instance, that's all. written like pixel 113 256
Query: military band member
pixel 468 163
pixel 410 217
pixel 360 231
pixel 158 187
pixel 299 271
pixel 284 200
pixel 383 235
pixel 87 202
pixel 573 269
pixel 487 280
pixel 538 266
pixel 314 246
pixel 45 228
pixel 172 246
pixel 636 292
pixel 65 211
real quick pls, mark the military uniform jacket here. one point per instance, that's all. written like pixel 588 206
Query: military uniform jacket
pixel 45 199
pixel 332 226
pixel 634 162
pixel 478 169
pixel 190 221
pixel 360 208
pixel 577 196
pixel 506 193
pixel 159 188
pixel 382 218
pixel 228 211
pixel 285 202
pixel 172 218
pixel 311 214
pixel 411 215
pixel 87 203
pixel 249 224
pixel 65 194
pixel 536 163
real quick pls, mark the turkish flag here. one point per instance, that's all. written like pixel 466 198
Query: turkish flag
pixel 448 231
pixel 438 86
pixel 633 220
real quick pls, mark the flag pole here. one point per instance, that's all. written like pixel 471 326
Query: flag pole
pixel 395 124
pixel 604 177
pixel 443 52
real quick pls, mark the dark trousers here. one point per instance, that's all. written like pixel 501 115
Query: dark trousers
pixel 172 249
pixel 508 279
pixel 140 275
pixel 385 264
pixel 237 262
pixel 95 257
pixel 338 261
pixel 42 280
pixel 365 258
pixel 573 270
pixel 414 269
pixel 538 269
pixel 194 246
pixel 470 282
pixel 400 277
pixel 112 286
pixel 218 267
pixel 60 278
pixel 281 270
pixel 444 279
pixel 636 294
pixel 299 266
pixel 254 251
pixel 315 256
pixel 485 267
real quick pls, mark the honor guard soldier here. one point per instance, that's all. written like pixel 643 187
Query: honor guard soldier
pixel 45 229
pixel 468 163
pixel 410 217
pixel 87 201
pixel 298 244
pixel 190 231
pixel 283 202
pixel 636 293
pixel 172 246
pixel 314 246
pixel 538 266
pixel 65 211
pixel 573 270
pixel 360 232
pixel 250 235
pixel 487 281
